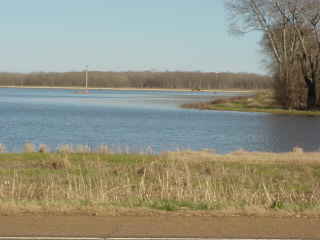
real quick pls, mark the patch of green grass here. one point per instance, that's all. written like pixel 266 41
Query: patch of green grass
pixel 174 205
pixel 24 156
pixel 261 102
pixel 276 205
pixel 119 158
pixel 262 110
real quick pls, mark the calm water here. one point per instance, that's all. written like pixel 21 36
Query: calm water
pixel 138 119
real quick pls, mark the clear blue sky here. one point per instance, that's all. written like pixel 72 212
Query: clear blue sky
pixel 66 35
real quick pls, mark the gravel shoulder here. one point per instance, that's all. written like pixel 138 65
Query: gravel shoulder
pixel 165 226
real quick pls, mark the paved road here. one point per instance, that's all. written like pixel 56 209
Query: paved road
pixel 171 226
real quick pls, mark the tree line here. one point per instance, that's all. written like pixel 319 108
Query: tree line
pixel 146 79
pixel 291 41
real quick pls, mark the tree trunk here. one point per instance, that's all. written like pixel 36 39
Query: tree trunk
pixel 312 94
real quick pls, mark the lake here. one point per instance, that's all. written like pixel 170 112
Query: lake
pixel 141 120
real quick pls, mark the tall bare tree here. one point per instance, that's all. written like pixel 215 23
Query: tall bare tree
pixel 292 31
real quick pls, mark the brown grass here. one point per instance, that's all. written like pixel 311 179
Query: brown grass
pixel 203 182
pixel 29 147
pixel 43 148
pixel 2 148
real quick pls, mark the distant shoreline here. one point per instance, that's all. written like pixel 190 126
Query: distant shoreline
pixel 135 89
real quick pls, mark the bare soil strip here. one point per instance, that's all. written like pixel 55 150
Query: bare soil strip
pixel 164 227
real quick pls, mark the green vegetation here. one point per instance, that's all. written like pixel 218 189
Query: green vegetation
pixel 185 182
pixel 261 102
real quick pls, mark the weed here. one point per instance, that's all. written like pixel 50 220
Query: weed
pixel 82 149
pixel 165 205
pixel 29 148
pixel 66 148
pixel 43 148
pixel 104 149
pixel 2 148
pixel 277 205
pixel 297 150
pixel 57 162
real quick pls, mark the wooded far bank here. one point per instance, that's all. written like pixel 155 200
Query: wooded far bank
pixel 146 79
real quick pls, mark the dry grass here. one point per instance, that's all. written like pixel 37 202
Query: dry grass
pixel 2 148
pixel 82 149
pixel 29 148
pixel 65 148
pixel 237 183
pixel 103 149
pixel 297 156
pixel 43 148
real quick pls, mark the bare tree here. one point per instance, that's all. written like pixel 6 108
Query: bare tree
pixel 292 31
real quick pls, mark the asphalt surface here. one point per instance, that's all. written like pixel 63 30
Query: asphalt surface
pixel 171 226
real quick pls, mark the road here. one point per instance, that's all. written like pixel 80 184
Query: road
pixel 171 226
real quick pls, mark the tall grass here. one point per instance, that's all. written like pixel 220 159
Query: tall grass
pixel 43 148
pixel 29 147
pixel 242 182
pixel 2 148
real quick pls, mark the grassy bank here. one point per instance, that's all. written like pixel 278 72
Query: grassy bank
pixel 187 183
pixel 260 102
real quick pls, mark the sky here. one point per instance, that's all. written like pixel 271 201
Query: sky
pixel 123 35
